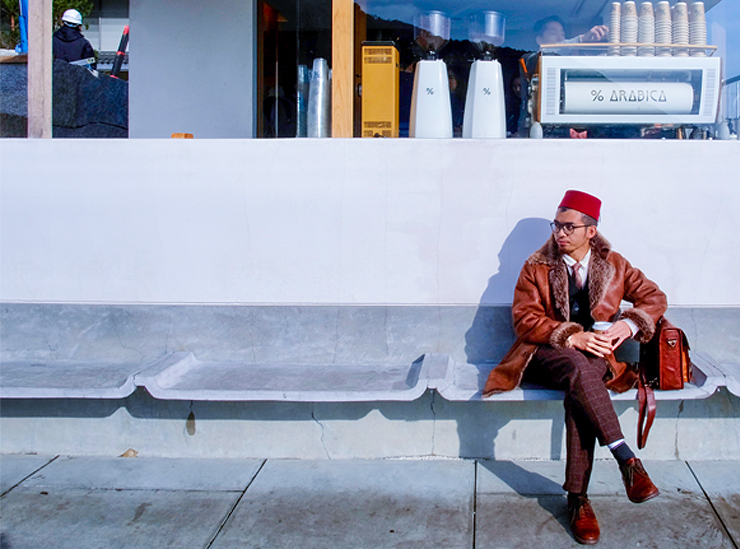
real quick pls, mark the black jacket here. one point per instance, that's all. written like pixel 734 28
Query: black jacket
pixel 69 45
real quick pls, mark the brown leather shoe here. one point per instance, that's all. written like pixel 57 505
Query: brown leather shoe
pixel 637 482
pixel 583 522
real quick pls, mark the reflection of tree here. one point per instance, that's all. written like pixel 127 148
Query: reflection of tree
pixel 85 8
pixel 10 32
pixel 10 12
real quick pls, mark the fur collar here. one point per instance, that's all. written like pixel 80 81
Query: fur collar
pixel 600 272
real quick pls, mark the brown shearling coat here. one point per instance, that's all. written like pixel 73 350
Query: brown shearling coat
pixel 541 309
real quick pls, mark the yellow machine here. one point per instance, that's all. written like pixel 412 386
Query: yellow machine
pixel 380 90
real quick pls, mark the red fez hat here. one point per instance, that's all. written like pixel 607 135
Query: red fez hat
pixel 581 202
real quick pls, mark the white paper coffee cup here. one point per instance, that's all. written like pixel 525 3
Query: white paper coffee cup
pixel 601 326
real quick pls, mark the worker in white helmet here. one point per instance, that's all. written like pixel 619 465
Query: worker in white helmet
pixel 69 44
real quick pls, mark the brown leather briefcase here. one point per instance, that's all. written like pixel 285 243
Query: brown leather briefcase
pixel 665 358
pixel 665 365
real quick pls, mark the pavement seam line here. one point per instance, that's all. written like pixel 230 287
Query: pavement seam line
pixel 475 500
pixel 24 479
pixel 233 507
pixel 714 509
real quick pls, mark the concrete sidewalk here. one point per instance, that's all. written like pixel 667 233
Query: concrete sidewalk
pixel 99 502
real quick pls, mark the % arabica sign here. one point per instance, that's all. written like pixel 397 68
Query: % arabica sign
pixel 627 98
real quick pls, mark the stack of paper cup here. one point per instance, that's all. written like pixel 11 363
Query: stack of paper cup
pixel 615 20
pixel 615 24
pixel 646 29
pixel 663 28
pixel 680 29
pixel 697 28
pixel 628 31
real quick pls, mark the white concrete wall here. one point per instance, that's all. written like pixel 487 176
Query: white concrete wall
pixel 192 68
pixel 350 221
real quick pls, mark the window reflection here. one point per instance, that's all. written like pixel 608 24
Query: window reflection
pixel 529 25
pixel 294 34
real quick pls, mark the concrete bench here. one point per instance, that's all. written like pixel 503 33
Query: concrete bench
pixel 214 353
pixel 183 377
pixel 731 371
pixel 291 354
pixel 67 379
pixel 465 382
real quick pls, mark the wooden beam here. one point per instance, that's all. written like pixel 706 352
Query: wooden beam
pixel 39 68
pixel 40 63
pixel 342 73
pixel 359 38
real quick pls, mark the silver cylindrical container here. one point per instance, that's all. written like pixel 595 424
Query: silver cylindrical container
pixel 302 90
pixel 319 100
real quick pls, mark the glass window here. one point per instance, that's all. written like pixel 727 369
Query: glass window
pixel 421 68
pixel 295 44
pixel 105 27
pixel 591 90
pixel 723 30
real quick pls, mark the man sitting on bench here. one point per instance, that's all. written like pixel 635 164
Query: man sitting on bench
pixel 574 280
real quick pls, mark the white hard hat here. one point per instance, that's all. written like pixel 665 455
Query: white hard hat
pixel 73 17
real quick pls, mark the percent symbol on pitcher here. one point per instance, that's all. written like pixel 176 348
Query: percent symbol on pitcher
pixel 597 95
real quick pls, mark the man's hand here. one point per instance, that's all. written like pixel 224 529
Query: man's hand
pixel 596 344
pixel 596 34
pixel 618 333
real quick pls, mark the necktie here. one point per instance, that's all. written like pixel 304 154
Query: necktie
pixel 577 275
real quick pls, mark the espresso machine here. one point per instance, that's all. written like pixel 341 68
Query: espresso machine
pixel 431 110
pixel 485 108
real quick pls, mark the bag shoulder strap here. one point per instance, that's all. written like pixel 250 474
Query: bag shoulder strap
pixel 647 405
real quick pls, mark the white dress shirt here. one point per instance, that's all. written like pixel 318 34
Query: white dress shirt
pixel 569 261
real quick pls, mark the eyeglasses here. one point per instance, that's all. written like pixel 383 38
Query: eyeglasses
pixel 567 228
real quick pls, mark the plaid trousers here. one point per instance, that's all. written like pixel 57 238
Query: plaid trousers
pixel 589 413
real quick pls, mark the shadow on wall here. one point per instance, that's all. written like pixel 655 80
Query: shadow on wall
pixel 489 338
pixel 491 334
pixel 480 425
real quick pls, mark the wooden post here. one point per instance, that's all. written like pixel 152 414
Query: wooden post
pixel 360 36
pixel 342 61
pixel 39 68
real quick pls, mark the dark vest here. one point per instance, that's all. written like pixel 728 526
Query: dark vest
pixel 580 308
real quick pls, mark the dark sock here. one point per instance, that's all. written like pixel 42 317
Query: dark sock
pixel 572 496
pixel 622 453
pixel 575 501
